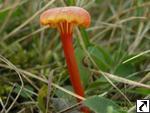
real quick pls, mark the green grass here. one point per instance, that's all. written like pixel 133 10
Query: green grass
pixel 113 56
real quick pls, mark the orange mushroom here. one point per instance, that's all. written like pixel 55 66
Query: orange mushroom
pixel 64 19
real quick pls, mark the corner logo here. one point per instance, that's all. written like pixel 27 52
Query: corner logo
pixel 143 106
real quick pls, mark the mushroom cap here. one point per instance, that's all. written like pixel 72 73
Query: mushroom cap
pixel 71 14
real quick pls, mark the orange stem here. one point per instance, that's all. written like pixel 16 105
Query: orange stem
pixel 73 67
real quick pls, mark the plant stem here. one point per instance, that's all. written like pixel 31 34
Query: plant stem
pixel 73 67
pixel 72 64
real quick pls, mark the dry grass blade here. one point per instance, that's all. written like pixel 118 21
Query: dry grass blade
pixel 144 79
pixel 122 80
pixel 22 84
pixel 69 108
pixel 21 111
pixel 49 89
pixel 131 19
pixel 28 20
pixel 3 106
pixel 140 35
pixel 136 56
pixel 107 78
pixel 147 4
pixel 33 33
pixel 44 80
pixel 12 6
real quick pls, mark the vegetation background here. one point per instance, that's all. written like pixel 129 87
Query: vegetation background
pixel 113 57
